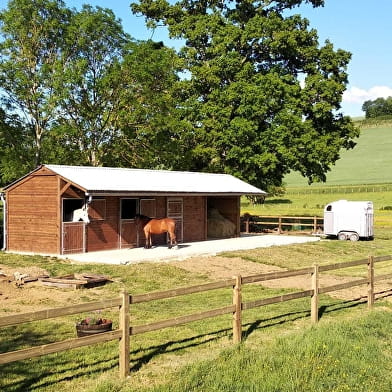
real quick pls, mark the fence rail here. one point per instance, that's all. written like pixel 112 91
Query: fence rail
pixel 236 308
pixel 255 223
pixel 345 189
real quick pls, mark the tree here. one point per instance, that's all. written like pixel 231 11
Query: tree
pixel 262 97
pixel 151 127
pixel 30 53
pixel 92 88
pixel 16 148
pixel 378 107
pixel 82 90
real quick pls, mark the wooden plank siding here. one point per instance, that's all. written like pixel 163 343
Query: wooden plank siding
pixel 104 234
pixel 33 215
pixel 194 221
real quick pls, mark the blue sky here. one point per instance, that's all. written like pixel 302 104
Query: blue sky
pixel 360 26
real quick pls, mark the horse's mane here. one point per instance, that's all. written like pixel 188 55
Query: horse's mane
pixel 143 217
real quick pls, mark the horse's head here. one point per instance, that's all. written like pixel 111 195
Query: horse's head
pixel 141 219
pixel 85 217
pixel 81 214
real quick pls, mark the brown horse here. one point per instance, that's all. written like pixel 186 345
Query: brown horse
pixel 157 226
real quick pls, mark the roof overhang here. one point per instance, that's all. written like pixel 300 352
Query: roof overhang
pixel 168 194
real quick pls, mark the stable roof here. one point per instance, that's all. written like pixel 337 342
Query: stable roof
pixel 109 180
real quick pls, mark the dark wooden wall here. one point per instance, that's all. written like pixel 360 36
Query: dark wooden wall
pixel 33 214
pixel 195 218
pixel 103 234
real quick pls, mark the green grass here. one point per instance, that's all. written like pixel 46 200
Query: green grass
pixel 312 204
pixel 339 356
pixel 281 351
pixel 369 162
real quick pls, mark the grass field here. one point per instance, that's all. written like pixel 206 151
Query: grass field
pixel 369 162
pixel 312 204
pixel 333 357
pixel 281 351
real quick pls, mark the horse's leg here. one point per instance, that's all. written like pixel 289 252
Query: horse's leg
pixel 173 239
pixel 170 239
pixel 147 235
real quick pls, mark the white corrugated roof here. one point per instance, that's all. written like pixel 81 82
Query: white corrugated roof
pixel 109 179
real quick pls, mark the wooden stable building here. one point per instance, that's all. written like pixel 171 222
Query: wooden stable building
pixel 39 207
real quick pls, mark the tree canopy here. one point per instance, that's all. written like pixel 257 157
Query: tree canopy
pixel 262 96
pixel 378 107
pixel 33 38
pixel 76 89
pixel 252 92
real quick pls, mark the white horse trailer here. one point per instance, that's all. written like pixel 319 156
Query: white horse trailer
pixel 349 220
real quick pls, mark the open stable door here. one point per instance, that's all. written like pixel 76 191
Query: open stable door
pixel 128 233
pixel 175 211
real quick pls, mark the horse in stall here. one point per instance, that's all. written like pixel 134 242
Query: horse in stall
pixel 81 214
pixel 157 226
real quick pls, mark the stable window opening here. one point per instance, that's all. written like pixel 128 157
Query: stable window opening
pixel 69 206
pixel 129 208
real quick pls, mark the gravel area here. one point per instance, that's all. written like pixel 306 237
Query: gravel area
pixel 187 250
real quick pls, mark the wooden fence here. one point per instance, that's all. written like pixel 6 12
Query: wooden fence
pixel 345 189
pixel 258 223
pixel 235 308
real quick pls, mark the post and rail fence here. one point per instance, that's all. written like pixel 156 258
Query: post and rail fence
pixel 236 308
pixel 259 223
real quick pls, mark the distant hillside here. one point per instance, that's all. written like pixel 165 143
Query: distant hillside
pixel 370 162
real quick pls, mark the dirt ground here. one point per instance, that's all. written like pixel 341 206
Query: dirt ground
pixel 30 296
pixel 223 268
pixel 34 296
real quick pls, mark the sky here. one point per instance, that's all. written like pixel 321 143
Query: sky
pixel 362 27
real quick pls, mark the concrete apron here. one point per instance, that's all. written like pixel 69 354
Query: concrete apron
pixel 187 250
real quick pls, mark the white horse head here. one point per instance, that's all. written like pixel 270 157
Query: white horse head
pixel 81 214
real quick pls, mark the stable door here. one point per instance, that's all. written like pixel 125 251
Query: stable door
pixel 175 211
pixel 128 231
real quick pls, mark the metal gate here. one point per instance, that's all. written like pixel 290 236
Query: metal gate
pixel 175 211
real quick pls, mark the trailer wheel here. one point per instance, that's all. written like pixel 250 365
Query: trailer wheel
pixel 342 237
pixel 354 237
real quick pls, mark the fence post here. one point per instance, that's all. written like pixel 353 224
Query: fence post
pixel 237 316
pixel 314 299
pixel 315 224
pixel 280 225
pixel 124 340
pixel 247 225
pixel 370 285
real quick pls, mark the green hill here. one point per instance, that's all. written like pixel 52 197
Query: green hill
pixel 370 162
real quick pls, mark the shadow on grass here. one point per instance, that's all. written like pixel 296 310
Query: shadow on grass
pixel 25 377
pixel 278 201
pixel 22 376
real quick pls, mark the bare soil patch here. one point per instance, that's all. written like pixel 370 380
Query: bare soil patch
pixel 31 296
pixel 220 268
pixel 34 296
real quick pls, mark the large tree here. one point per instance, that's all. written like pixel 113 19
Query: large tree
pixel 30 52
pixel 262 96
pixel 151 128
pixel 83 91
pixel 90 94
